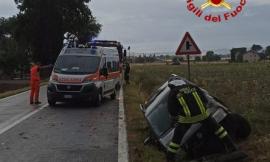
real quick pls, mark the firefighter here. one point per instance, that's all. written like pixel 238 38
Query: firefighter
pixel 126 72
pixel 35 83
pixel 187 103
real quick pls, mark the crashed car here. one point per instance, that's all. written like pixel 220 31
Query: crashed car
pixel 197 142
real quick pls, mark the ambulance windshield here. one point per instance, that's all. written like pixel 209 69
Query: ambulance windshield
pixel 77 65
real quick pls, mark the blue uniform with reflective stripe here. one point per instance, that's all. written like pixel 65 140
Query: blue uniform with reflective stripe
pixel 189 105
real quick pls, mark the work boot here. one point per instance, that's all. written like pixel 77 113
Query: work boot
pixel 230 145
pixel 37 102
pixel 170 157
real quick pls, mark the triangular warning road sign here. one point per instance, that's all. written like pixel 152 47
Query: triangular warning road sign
pixel 188 46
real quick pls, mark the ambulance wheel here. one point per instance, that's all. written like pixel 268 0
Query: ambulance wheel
pixel 113 95
pixel 51 103
pixel 98 100
pixel 118 86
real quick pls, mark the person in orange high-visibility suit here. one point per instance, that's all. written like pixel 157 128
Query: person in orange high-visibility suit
pixel 35 83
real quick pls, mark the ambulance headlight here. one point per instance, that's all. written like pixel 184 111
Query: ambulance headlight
pixel 54 78
pixel 90 79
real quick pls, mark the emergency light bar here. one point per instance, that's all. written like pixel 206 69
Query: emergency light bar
pixel 108 43
pixel 86 51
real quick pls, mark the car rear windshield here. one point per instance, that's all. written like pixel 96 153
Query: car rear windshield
pixel 77 65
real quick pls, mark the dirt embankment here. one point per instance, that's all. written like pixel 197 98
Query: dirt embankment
pixel 9 85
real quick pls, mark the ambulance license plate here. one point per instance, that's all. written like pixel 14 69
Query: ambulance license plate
pixel 67 96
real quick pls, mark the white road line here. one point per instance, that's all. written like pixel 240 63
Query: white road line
pixel 14 123
pixel 122 132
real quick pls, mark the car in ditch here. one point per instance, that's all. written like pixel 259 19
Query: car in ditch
pixel 197 141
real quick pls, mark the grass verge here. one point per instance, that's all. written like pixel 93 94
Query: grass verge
pixel 243 87
pixel 17 91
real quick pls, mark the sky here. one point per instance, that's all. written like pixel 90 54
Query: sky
pixel 159 25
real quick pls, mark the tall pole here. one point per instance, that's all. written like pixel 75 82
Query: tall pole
pixel 129 53
pixel 188 67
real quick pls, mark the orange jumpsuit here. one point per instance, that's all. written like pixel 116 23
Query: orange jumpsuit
pixel 35 81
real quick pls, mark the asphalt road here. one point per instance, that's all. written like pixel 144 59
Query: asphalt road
pixel 67 133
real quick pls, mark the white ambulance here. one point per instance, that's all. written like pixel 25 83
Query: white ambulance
pixel 84 74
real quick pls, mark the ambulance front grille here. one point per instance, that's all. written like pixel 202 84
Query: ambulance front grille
pixel 69 88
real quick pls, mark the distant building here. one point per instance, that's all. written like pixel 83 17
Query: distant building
pixel 225 57
pixel 253 56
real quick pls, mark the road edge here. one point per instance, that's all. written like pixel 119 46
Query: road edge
pixel 18 92
pixel 12 124
pixel 122 132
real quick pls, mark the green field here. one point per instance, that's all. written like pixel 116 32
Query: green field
pixel 243 87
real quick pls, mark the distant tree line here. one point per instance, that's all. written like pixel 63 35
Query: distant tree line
pixel 238 53
pixel 145 59
pixel 36 33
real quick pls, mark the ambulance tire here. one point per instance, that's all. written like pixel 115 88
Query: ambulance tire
pixel 113 95
pixel 51 103
pixel 118 86
pixel 98 99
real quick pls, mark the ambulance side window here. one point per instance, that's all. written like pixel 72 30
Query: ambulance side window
pixel 115 66
pixel 109 66
pixel 103 63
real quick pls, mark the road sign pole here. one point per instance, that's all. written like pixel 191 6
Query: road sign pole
pixel 188 67
pixel 188 47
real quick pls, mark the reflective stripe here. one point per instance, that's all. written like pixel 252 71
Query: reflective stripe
pixel 193 119
pixel 223 135
pixel 174 145
pixel 221 129
pixel 199 102
pixel 172 150
pixel 185 107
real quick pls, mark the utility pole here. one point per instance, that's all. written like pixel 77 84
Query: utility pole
pixel 129 53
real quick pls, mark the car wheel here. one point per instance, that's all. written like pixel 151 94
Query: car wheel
pixel 237 126
pixel 113 95
pixel 244 128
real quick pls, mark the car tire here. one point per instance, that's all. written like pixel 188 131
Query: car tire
pixel 244 128
pixel 237 126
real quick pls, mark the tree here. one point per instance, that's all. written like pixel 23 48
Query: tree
pixel 12 56
pixel 43 23
pixel 175 61
pixel 256 47
pixel 197 58
pixel 211 56
pixel 267 51
pixel 139 59
pixel 237 54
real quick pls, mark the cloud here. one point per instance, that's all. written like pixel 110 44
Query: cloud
pixel 7 8
pixel 159 25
